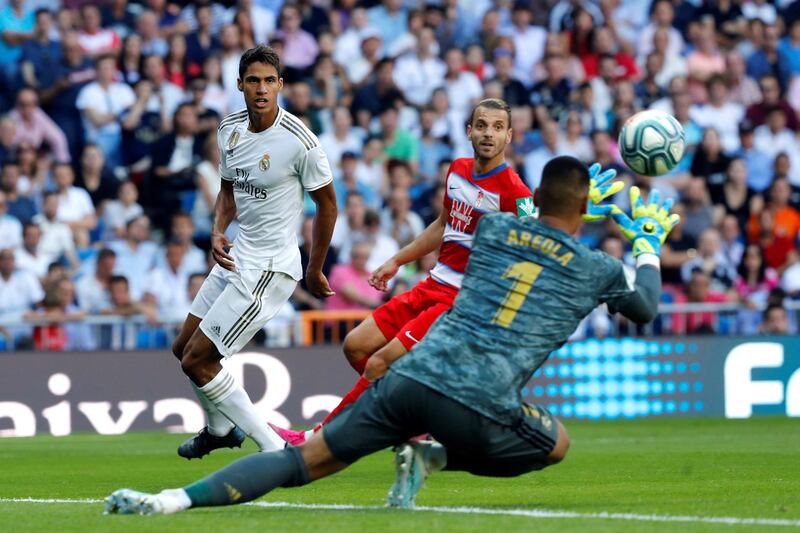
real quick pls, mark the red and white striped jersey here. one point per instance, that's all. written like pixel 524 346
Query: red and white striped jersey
pixel 468 196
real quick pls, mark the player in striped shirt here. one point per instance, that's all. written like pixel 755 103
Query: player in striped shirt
pixel 268 158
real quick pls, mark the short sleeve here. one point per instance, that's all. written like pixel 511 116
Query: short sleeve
pixel 618 281
pixel 223 159
pixel 315 170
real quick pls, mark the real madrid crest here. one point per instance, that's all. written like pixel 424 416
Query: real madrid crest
pixel 264 163
pixel 233 139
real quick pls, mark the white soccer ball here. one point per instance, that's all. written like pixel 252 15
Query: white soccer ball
pixel 651 142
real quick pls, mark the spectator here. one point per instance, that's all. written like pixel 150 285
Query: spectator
pixel 790 279
pixel 710 161
pixel 208 118
pixel 93 289
pixel 34 126
pixel 370 169
pixel 390 19
pixel 711 262
pixel 40 55
pixel 720 113
pixel 398 143
pixel 29 257
pixel 118 212
pixel 130 59
pixel 93 38
pixel 699 213
pixel 776 321
pixel 123 304
pixel 731 243
pixel 397 219
pixel 57 240
pixel 564 13
pixel 755 279
pixel 744 89
pixel 177 69
pixel 775 138
pixel 263 20
pixel 207 181
pixel 58 321
pixel 538 158
pixel 346 182
pixel 75 206
pixel 167 284
pixel 20 207
pixel 759 164
pixel 661 17
pixel 347 47
pixel 175 159
pixel 574 142
pixel 349 282
pixel 136 254
pixel 376 94
pixel 20 291
pixel 102 103
pixel 529 42
pixel 776 226
pixel 768 59
pixel 734 197
pixel 300 48
pixel 648 89
pixel 166 96
pixel 147 28
pixel 231 52
pixel 771 98
pixel 604 43
pixel 382 246
pixel 551 96
pixel 302 299
pixel 514 92
pixel 698 291
pixel 17 22
pixel 463 87
pixel 349 225
pixel 96 178
pixel 142 127
pixel 182 232
pixel 119 17
pixel 203 42
pixel 789 47
pixel 10 226
pixel 418 74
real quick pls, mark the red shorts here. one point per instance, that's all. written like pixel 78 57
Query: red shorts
pixel 408 316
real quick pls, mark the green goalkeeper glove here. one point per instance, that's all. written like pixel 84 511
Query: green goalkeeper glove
pixel 651 222
pixel 600 188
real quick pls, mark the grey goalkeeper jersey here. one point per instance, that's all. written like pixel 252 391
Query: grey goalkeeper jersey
pixel 527 286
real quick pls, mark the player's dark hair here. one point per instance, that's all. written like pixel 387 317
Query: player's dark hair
pixel 105 253
pixel 259 54
pixel 491 103
pixel 564 185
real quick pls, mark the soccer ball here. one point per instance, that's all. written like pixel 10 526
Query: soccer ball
pixel 651 142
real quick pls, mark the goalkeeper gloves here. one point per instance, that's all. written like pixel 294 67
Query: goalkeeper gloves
pixel 600 188
pixel 651 222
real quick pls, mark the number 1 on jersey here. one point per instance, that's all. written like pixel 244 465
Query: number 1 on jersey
pixel 524 275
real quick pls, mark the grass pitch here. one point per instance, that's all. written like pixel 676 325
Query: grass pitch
pixel 661 469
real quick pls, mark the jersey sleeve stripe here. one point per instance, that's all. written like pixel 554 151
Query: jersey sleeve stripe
pixel 291 128
pixel 232 118
pixel 303 129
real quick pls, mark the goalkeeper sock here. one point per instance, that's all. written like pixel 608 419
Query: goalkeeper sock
pixel 218 424
pixel 249 478
pixel 349 398
pixel 232 401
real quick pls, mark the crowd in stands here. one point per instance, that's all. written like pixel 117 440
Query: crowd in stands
pixel 109 111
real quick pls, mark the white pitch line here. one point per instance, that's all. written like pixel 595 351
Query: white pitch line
pixel 527 513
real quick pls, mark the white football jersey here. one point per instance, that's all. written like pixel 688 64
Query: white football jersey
pixel 269 171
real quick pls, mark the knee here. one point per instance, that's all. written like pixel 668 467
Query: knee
pixel 352 348
pixel 559 452
pixel 192 363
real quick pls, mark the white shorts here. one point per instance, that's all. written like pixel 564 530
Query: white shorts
pixel 235 305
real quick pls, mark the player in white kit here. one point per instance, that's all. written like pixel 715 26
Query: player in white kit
pixel 268 157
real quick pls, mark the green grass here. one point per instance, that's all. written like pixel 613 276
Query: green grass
pixel 697 467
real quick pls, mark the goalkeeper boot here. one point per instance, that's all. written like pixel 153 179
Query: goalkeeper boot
pixel 127 501
pixel 204 443
pixel 414 462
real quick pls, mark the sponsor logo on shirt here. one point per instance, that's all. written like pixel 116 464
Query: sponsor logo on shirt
pixel 525 207
pixel 242 183
pixel 460 215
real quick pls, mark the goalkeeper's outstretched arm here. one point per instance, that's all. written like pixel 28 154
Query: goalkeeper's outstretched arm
pixel 642 305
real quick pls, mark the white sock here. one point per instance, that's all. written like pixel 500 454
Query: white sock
pixel 231 400
pixel 174 500
pixel 218 424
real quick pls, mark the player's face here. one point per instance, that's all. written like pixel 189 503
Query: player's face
pixel 260 85
pixel 489 132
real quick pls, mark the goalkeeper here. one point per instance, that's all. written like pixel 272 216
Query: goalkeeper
pixel 527 286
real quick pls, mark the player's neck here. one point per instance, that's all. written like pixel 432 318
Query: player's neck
pixel 482 166
pixel 261 121
pixel 567 226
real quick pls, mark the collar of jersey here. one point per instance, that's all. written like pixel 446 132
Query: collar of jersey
pixel 277 121
pixel 490 173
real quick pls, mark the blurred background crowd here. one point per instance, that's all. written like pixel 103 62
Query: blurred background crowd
pixel 109 110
